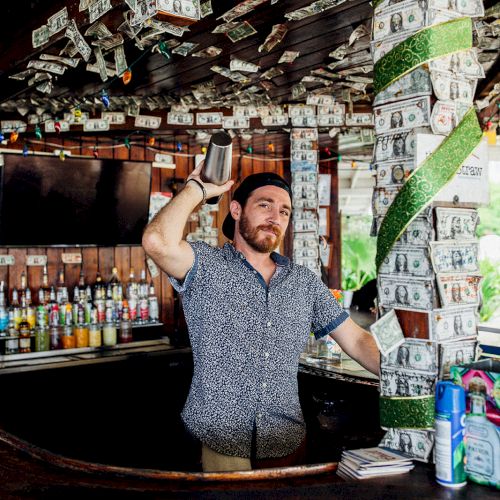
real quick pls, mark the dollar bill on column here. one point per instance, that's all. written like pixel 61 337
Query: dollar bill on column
pixel 446 116
pixel 464 63
pixel 402 383
pixel 471 8
pixel 458 289
pixel 401 292
pixel 408 261
pixel 453 323
pixel 396 145
pixel 393 172
pixel 382 199
pixel 451 88
pixel 455 353
pixel 455 256
pixel 401 18
pixel 456 223
pixel 387 333
pixel 414 443
pixel 403 115
pixel 414 356
pixel 414 84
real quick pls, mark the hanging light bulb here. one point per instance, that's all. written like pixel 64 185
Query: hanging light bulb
pixel 327 151
pixel 14 136
pixel 25 150
pixel 353 164
pixel 2 137
pixel 77 113
pixel 151 140
pixel 38 132
pixel 62 156
pixel 249 149
pixel 178 146
pixel 204 150
pixel 339 158
pixel 127 142
pixel 164 51
pixel 96 152
pixel 105 98
pixel 127 76
pixel 57 126
pixel 270 147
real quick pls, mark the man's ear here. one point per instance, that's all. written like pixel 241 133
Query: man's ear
pixel 235 209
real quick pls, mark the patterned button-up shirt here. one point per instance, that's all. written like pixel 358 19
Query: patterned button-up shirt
pixel 246 339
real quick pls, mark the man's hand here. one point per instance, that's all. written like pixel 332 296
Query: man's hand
pixel 212 190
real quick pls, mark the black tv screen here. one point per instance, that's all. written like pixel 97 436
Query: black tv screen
pixel 46 201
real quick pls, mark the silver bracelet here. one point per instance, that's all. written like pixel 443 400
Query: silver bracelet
pixel 202 187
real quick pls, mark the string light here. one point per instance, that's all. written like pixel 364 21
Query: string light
pixel 38 132
pixel 339 158
pixel 57 126
pixel 14 136
pixel 328 152
pixel 127 142
pixel 178 146
pixel 105 98
pixel 2 137
pixel 151 140
pixel 127 76
pixel 164 51
pixel 204 150
pixel 270 147
pixel 96 152
pixel 353 164
pixel 77 113
pixel 25 150
pixel 62 156
pixel 249 149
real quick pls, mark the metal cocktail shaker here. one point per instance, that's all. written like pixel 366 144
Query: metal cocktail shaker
pixel 218 162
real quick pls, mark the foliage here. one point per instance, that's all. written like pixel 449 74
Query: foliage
pixel 490 289
pixel 358 252
pixel 490 215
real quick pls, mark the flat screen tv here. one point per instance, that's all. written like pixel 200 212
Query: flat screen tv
pixel 48 202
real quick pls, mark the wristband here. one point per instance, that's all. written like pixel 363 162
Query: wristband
pixel 202 187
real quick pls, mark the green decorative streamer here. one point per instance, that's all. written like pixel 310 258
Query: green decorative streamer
pixel 426 181
pixel 424 46
pixel 408 413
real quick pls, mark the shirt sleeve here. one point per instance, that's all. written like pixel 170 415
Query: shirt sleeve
pixel 202 255
pixel 328 314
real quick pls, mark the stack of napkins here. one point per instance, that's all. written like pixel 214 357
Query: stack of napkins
pixel 366 463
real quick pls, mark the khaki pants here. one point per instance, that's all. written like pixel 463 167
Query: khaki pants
pixel 213 461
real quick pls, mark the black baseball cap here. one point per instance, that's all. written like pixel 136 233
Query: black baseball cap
pixel 243 191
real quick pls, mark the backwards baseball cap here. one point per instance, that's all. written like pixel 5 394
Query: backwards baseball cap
pixel 243 191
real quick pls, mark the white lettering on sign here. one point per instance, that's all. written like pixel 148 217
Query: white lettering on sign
pixel 7 260
pixel 36 260
pixel 71 258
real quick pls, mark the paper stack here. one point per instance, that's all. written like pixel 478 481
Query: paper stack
pixel 367 463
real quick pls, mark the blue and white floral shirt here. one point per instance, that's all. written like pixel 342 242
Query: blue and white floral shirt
pixel 247 338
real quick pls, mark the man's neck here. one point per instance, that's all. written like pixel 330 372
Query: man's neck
pixel 257 259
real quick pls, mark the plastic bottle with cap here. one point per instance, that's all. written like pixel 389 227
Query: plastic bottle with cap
pixel 449 440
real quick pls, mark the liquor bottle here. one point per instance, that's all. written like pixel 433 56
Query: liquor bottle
pixel 81 281
pixel 81 331
pixel 62 294
pixel 12 344
pixel 482 447
pixel 99 292
pixel 15 308
pixel 95 333
pixel 4 313
pixel 115 283
pixel 44 292
pixel 25 290
pixel 76 304
pixel 125 334
pixel 24 329
pixel 143 285
pixel 53 308
pixel 132 286
pixel 154 312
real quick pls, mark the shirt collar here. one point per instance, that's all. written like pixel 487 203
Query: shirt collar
pixel 231 252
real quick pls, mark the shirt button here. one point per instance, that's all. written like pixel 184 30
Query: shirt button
pixel 254 271
pixel 259 415
pixel 264 385
pixel 266 354
pixel 269 323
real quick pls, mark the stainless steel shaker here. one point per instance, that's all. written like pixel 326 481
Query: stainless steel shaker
pixel 218 162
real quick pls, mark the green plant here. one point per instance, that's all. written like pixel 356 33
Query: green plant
pixel 490 289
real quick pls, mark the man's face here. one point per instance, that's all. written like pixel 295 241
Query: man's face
pixel 265 218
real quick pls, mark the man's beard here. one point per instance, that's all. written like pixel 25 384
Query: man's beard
pixel 251 235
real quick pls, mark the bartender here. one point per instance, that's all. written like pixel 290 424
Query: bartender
pixel 249 312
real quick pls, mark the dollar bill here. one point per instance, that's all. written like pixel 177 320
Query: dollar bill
pixel 232 75
pixel 57 69
pixel 458 289
pixel 305 225
pixel 307 156
pixel 413 355
pixel 275 120
pixel 288 57
pixel 331 109
pixel 456 223
pixel 303 166
pixel 120 60
pixel 382 199
pixel 453 323
pixel 415 293
pixel 298 91
pixel 8 126
pixel 455 354
pixel 109 42
pixel 305 177
pixel 403 116
pixel 406 384
pixel 472 8
pixel 300 110
pixel 395 146
pixel 302 144
pixel 446 116
pixel 184 48
pixel 330 120
pixel 304 133
pixel 72 62
pixel 147 121
pixel 272 73
pixel 414 84
pixel 464 63
pixel 235 122
pixel 114 117
pixel 241 31
pixel 210 51
pixel 58 21
pixel 323 101
pixel 96 125
pixel 206 8
pixel 414 443
pixel 225 27
pixel 408 261
pixel 76 37
pixel 310 10
pixel 241 9
pixel 23 74
pixel 240 65
pixel 419 232
pixel 380 48
pixel 98 8
pixel 182 8
pixel 455 256
pixel 393 173
pixel 387 333
pixel 40 36
pixel 277 34
pixel 209 119
pixel 453 89
pixel 144 10
pixel 98 30
pixel 304 121
pixel 180 118
pixel 358 119
pixel 400 18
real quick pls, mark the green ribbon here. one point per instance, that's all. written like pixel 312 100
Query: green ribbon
pixel 426 180
pixel 408 413
pixel 425 45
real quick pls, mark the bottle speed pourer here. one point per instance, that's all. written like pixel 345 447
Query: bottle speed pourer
pixel 217 168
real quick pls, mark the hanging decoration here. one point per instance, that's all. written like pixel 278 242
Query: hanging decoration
pixel 14 135
pixel 127 76
pixel 38 132
pixel 57 126
pixel 105 98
